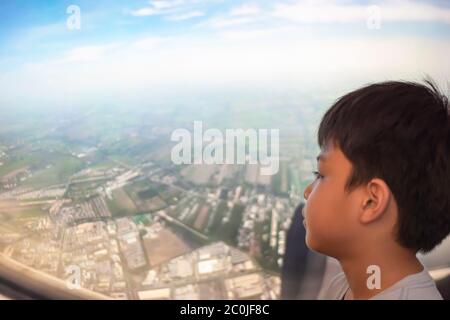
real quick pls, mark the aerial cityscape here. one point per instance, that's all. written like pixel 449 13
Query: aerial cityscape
pixel 110 203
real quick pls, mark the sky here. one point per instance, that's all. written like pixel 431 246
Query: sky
pixel 137 50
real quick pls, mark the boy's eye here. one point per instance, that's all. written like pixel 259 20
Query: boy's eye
pixel 317 175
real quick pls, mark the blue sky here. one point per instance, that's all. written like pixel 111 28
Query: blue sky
pixel 125 47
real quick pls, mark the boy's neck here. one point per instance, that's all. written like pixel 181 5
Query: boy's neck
pixel 394 265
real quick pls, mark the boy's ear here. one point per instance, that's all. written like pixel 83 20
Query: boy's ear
pixel 375 201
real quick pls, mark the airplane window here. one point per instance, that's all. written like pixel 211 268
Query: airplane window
pixel 161 149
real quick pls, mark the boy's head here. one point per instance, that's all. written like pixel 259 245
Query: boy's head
pixel 383 172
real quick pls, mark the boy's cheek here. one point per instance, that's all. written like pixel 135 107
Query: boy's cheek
pixel 323 232
pixel 316 228
pixel 319 220
pixel 322 240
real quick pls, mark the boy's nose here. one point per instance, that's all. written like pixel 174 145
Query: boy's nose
pixel 307 192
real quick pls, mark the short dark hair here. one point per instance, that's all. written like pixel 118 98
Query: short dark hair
pixel 399 132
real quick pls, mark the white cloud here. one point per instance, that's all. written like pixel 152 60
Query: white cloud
pixel 88 53
pixel 238 15
pixel 143 12
pixel 223 22
pixel 186 16
pixel 148 43
pixel 245 9
pixel 331 11
pixel 275 54
pixel 277 57
pixel 309 12
pixel 165 4
pixel 160 7
pixel 414 11
pixel 237 34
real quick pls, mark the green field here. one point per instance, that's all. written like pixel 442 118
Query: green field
pixel 32 212
pixel 151 192
pixel 20 161
pixel 60 170
pixel 121 204
pixel 47 168
pixel 21 212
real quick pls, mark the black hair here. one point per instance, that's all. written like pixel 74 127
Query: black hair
pixel 399 132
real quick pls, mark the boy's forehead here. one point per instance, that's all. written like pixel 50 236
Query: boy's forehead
pixel 328 153
pixel 325 153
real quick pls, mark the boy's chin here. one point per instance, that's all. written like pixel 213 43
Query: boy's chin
pixel 314 245
pixel 310 243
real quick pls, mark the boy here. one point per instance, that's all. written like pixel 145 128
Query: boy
pixel 382 190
